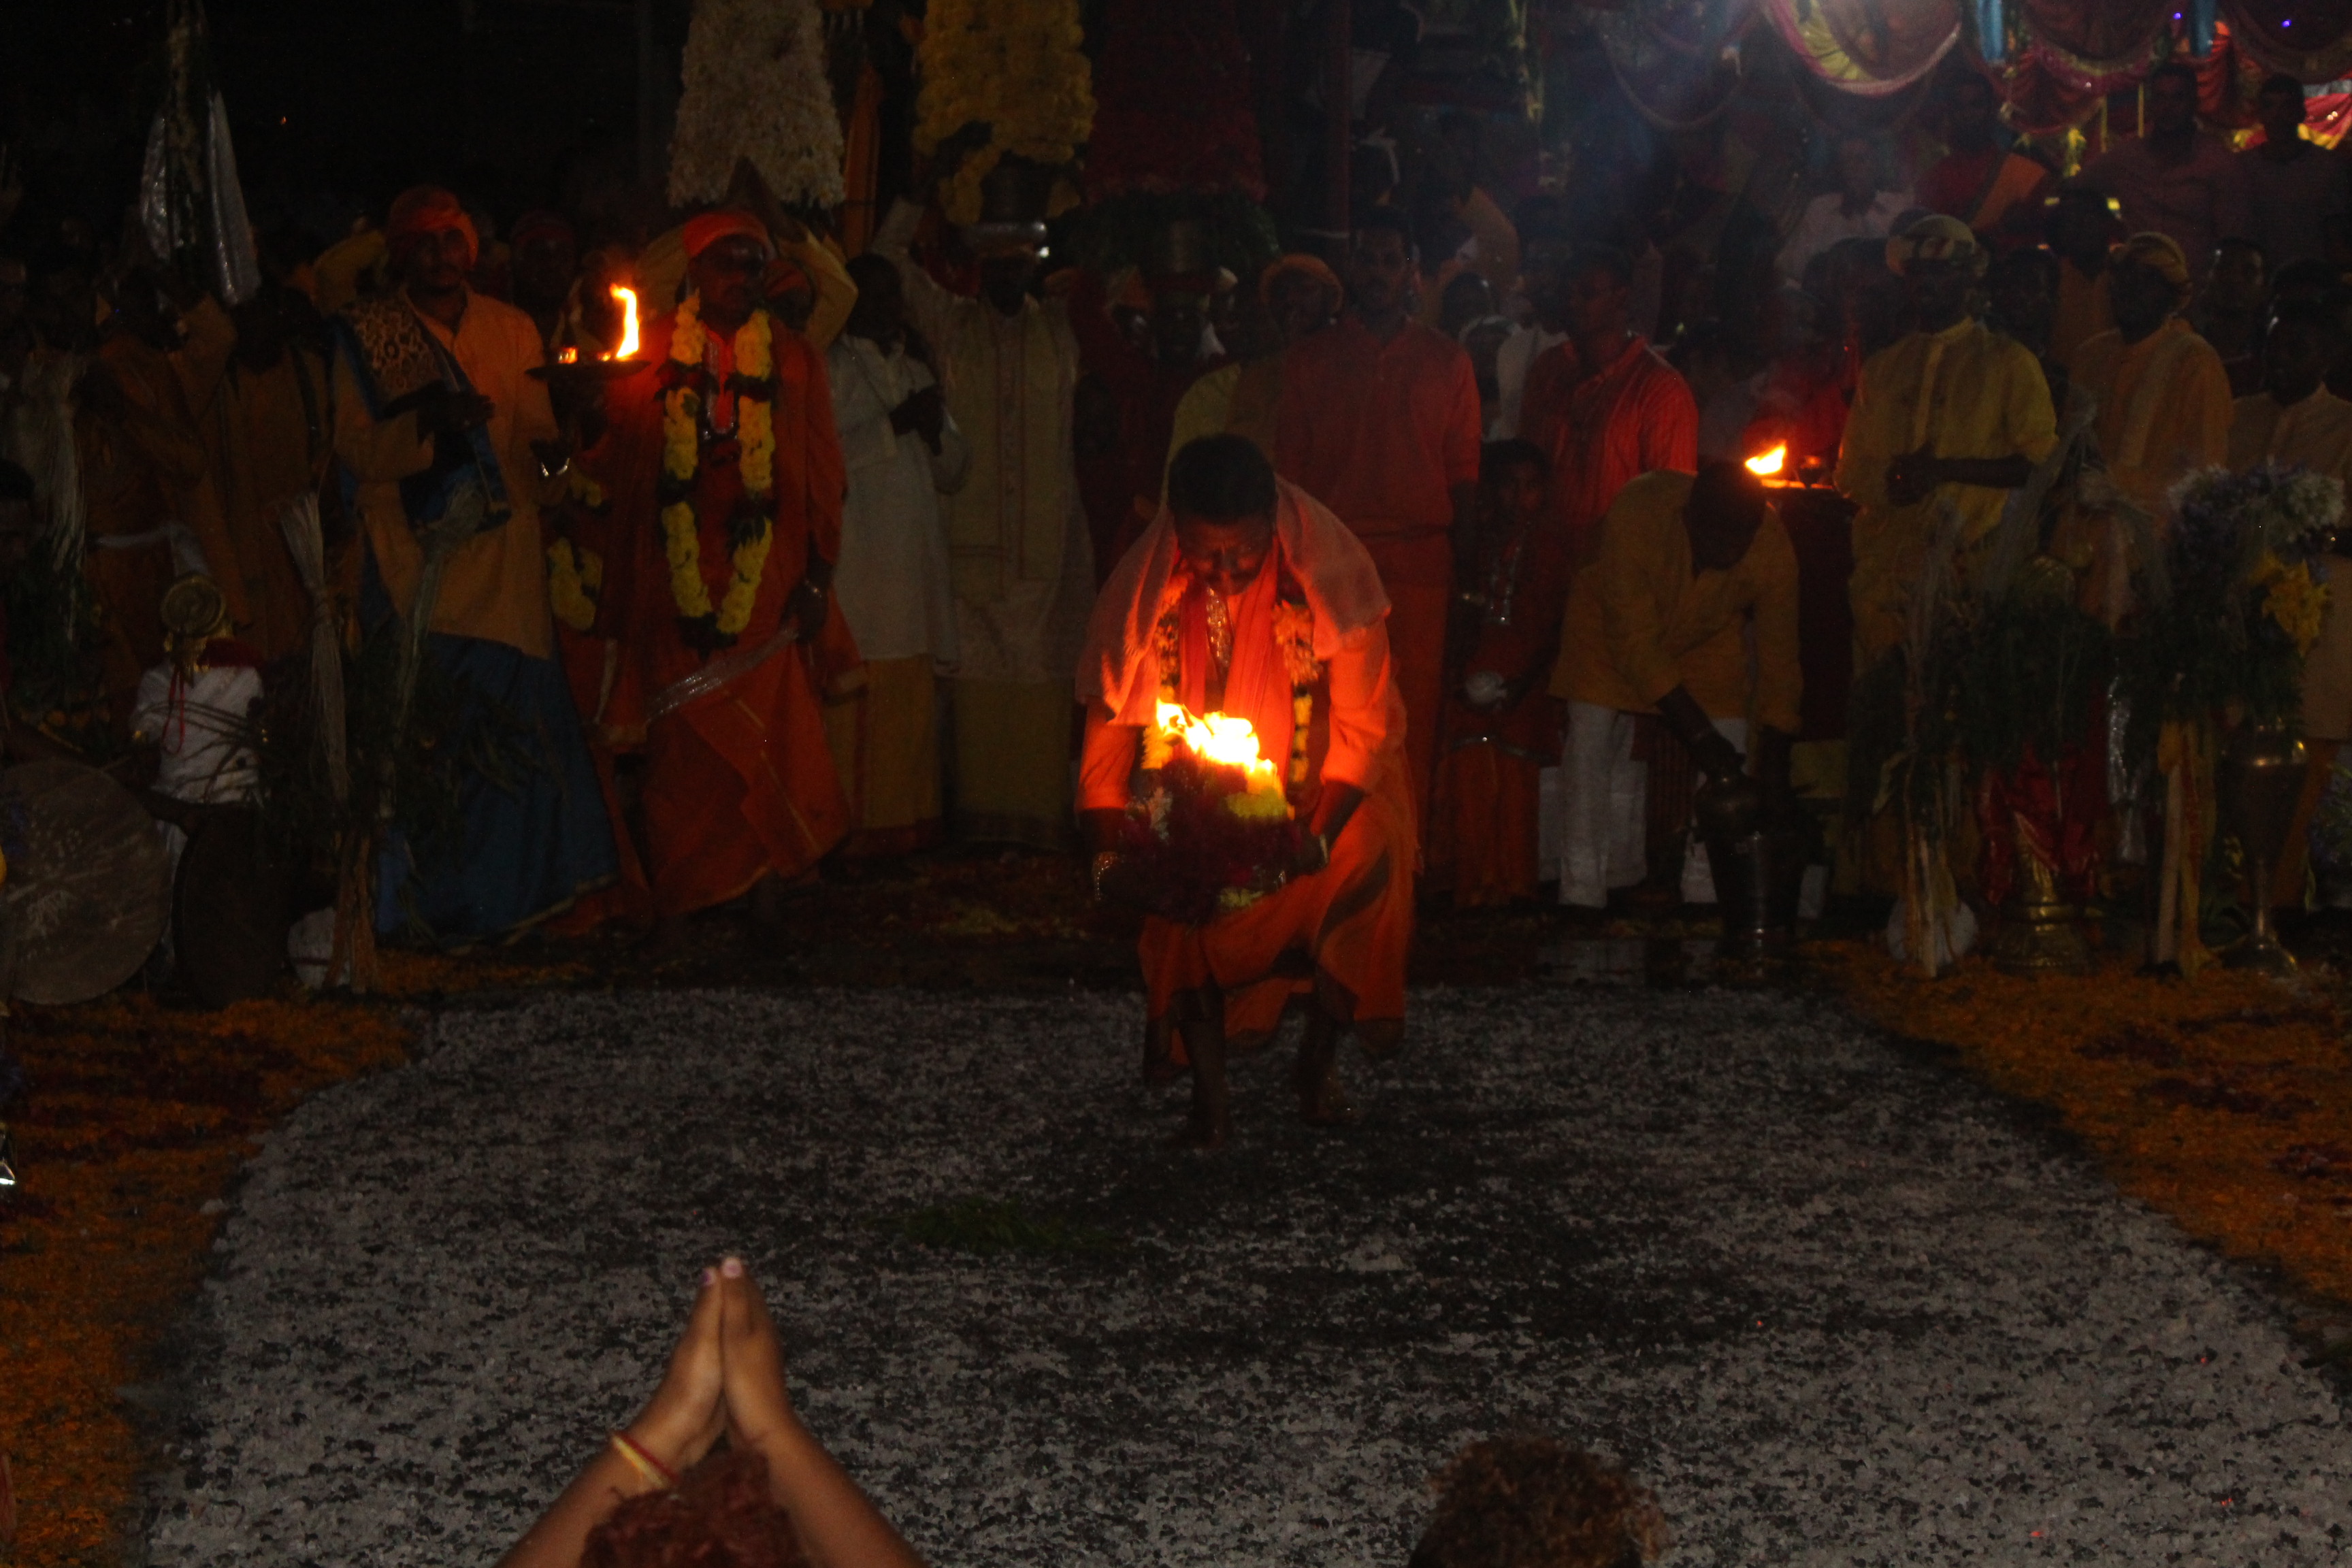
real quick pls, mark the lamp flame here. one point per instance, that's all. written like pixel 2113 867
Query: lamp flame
pixel 1225 739
pixel 567 354
pixel 628 298
pixel 1764 464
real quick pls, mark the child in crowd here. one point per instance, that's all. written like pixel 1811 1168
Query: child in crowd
pixel 1501 724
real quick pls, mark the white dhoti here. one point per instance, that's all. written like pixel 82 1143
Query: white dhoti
pixel 1604 796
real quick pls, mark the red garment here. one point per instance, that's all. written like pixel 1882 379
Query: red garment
pixel 1380 433
pixel 1634 418
pixel 740 784
pixel 1484 826
pixel 1383 433
pixel 2054 818
pixel 1955 184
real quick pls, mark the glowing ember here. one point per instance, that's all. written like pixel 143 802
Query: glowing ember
pixel 567 354
pixel 1766 463
pixel 628 298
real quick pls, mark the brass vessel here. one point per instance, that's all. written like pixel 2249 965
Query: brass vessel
pixel 2261 779
pixel 2040 932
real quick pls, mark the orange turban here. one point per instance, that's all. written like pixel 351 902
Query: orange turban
pixel 428 209
pixel 708 229
pixel 1298 264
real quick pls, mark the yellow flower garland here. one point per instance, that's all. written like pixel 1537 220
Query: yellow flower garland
pixel 2293 601
pixel 754 346
pixel 575 579
pixel 1016 67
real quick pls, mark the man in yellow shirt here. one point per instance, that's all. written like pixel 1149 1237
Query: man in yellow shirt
pixel 1658 624
pixel 1953 413
pixel 2296 422
pixel 2163 397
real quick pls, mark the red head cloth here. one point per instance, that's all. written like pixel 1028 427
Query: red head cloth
pixel 539 225
pixel 710 228
pixel 428 209
pixel 1298 264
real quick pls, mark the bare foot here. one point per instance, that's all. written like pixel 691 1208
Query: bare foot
pixel 1323 1101
pixel 1315 1076
pixel 1159 1055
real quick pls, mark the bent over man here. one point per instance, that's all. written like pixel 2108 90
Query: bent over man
pixel 1244 596
pixel 1659 624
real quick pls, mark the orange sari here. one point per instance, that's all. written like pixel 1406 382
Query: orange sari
pixel 740 784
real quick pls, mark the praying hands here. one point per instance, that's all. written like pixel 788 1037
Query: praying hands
pixel 725 1379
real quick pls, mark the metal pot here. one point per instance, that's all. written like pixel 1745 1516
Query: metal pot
pixel 1758 862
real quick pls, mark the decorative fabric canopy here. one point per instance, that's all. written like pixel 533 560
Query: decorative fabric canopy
pixel 2308 40
pixel 1864 46
pixel 2094 46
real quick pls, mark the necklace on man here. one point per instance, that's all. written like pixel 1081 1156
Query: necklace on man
pixel 1220 633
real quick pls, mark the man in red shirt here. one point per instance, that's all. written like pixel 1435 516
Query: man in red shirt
pixel 1379 421
pixel 1997 192
pixel 1603 406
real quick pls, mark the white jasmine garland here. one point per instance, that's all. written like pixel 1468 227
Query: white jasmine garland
pixel 756 89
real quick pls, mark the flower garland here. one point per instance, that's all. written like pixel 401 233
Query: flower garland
pixel 1294 632
pixel 1015 66
pixel 686 390
pixel 575 574
pixel 755 87
pixel 575 577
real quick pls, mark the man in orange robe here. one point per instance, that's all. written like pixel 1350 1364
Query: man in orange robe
pixel 1604 407
pixel 727 645
pixel 1379 421
pixel 1501 722
pixel 1272 610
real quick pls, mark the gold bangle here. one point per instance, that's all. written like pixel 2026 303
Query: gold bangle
pixel 650 1470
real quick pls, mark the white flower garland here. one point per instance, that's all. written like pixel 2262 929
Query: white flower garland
pixel 756 89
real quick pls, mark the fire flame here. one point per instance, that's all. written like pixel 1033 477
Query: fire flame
pixel 1225 739
pixel 628 298
pixel 567 354
pixel 1764 464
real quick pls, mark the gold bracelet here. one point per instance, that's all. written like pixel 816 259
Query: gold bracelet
pixel 650 1470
